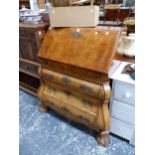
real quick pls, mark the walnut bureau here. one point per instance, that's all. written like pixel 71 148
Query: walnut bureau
pixel 30 39
pixel 74 75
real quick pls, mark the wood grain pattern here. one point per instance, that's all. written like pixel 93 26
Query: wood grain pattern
pixel 91 110
pixel 82 86
pixel 74 74
pixel 86 49
pixel 80 73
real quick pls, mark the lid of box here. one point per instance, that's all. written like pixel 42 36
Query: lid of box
pixel 88 48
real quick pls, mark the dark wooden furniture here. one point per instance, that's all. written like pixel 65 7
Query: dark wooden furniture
pixel 74 75
pixel 30 39
pixel 26 3
pixel 111 14
pixel 123 13
pixel 116 14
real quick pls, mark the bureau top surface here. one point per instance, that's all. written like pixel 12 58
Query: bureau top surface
pixel 88 48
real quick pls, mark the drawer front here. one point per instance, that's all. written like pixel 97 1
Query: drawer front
pixel 29 68
pixel 73 83
pixel 121 129
pixel 69 105
pixel 123 111
pixel 71 112
pixel 69 96
pixel 124 92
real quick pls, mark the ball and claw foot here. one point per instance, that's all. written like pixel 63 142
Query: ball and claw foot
pixel 103 138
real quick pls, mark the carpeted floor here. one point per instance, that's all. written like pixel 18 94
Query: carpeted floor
pixel 51 134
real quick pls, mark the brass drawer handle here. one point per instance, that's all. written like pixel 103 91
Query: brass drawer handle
pixel 66 80
pixel 86 102
pixel 82 118
pixel 86 88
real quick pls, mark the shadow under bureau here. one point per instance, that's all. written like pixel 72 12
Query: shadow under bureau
pixel 74 75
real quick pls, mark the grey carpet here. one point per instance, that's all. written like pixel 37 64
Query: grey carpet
pixel 51 134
